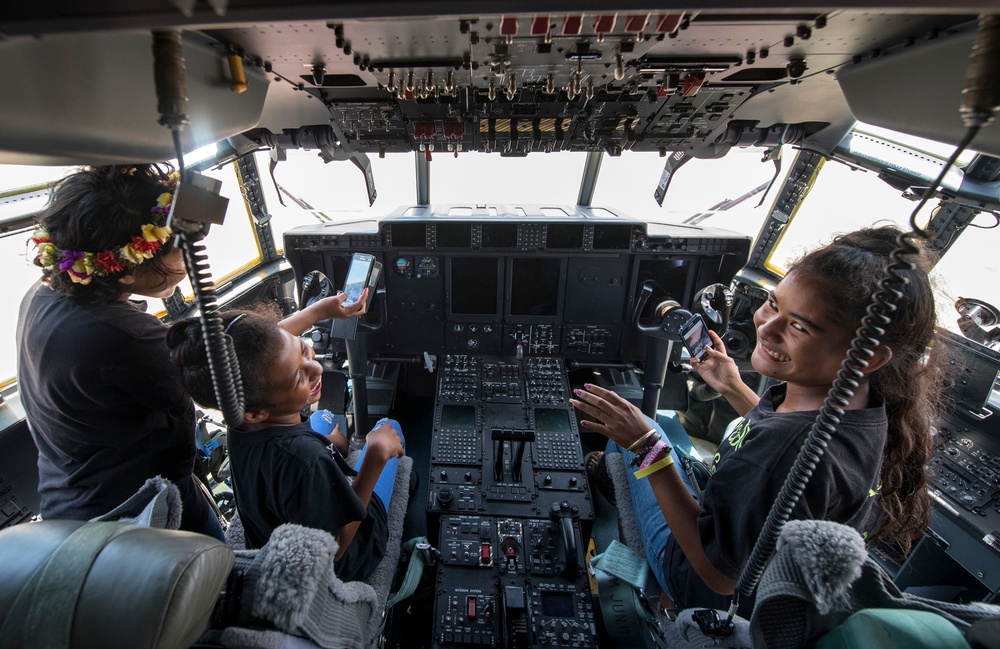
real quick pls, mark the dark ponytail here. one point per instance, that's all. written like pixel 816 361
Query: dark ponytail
pixel 910 384
pixel 256 340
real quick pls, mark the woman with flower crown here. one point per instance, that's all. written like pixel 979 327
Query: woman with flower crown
pixel 104 403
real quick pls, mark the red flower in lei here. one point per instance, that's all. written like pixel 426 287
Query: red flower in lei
pixel 141 245
pixel 108 262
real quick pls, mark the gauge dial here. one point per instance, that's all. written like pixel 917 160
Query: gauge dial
pixel 427 267
pixel 404 266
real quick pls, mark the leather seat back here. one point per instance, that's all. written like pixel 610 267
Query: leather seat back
pixel 79 584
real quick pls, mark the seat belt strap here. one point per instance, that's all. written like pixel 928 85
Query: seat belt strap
pixel 622 562
pixel 421 555
pixel 619 572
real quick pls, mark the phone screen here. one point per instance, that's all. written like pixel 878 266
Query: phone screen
pixel 695 336
pixel 357 277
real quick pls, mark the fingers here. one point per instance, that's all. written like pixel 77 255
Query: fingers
pixel 358 308
pixel 590 403
pixel 599 391
pixel 583 406
pixel 720 347
pixel 361 306
pixel 607 412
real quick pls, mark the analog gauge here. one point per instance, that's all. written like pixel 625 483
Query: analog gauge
pixel 404 266
pixel 427 267
pixel 589 275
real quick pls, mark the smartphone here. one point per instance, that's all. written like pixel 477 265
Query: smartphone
pixel 358 276
pixel 694 333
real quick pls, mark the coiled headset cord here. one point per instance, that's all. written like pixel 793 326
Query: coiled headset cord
pixel 222 362
pixel 168 61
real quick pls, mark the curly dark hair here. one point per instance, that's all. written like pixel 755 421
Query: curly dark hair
pixel 910 384
pixel 102 208
pixel 256 340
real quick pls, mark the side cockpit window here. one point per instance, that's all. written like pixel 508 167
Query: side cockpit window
pixel 24 193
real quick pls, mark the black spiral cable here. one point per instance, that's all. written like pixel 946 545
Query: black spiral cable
pixel 878 316
pixel 222 362
pixel 168 61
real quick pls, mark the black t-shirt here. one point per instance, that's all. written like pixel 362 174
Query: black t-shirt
pixel 286 474
pixel 105 406
pixel 749 469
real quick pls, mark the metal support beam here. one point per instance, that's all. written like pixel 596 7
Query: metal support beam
pixel 253 194
pixel 591 169
pixel 804 170
pixel 423 178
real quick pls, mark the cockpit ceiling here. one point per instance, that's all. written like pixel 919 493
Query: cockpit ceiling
pixel 515 84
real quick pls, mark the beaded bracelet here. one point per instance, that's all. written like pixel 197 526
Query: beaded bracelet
pixel 653 468
pixel 655 454
pixel 641 454
pixel 642 439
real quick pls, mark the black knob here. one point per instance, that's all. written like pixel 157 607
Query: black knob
pixel 445 499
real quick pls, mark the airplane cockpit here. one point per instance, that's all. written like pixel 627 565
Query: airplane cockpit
pixel 542 198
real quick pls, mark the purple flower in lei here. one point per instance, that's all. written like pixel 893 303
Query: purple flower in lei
pixel 70 257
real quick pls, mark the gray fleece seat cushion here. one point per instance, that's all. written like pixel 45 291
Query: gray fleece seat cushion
pixel 291 585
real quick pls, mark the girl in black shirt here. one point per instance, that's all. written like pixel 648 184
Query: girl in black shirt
pixel 804 330
pixel 283 472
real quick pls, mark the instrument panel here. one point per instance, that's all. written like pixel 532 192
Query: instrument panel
pixel 520 284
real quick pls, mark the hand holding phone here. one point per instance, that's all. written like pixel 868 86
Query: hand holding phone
pixel 358 277
pixel 694 333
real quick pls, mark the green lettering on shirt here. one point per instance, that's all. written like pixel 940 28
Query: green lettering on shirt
pixel 735 439
pixel 739 434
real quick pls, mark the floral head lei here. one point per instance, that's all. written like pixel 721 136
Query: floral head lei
pixel 83 266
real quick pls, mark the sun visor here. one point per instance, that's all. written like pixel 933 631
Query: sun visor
pixel 90 98
pixel 918 90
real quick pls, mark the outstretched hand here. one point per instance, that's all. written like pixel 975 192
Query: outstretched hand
pixel 328 308
pixel 613 416
pixel 334 307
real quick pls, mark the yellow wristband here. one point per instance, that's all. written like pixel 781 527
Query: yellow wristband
pixel 642 439
pixel 654 467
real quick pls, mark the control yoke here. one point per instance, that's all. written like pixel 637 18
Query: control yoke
pixel 663 330
pixel 714 303
pixel 668 315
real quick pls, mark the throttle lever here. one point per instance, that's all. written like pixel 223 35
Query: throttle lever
pixel 568 544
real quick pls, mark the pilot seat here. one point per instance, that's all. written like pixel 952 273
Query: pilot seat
pixel 131 583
